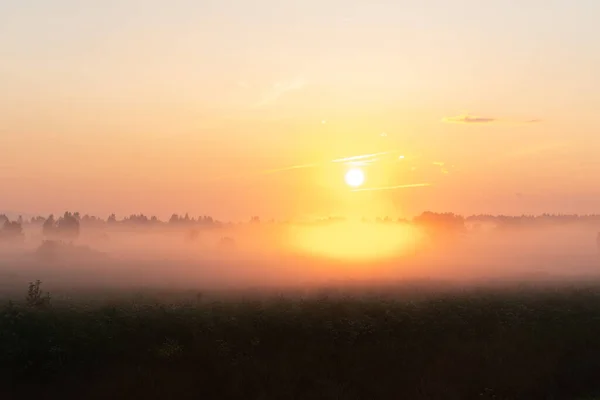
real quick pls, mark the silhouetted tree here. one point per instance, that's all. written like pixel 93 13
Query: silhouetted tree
pixel 35 297
pixel 134 219
pixel 68 226
pixel 90 220
pixel 205 220
pixel 49 226
pixel 12 231
pixel 37 220
pixel 112 218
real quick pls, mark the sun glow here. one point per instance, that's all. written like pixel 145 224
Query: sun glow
pixel 356 240
pixel 355 177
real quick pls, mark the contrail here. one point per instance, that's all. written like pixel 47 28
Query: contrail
pixel 354 158
pixel 392 187
pixel 339 160
pixel 270 171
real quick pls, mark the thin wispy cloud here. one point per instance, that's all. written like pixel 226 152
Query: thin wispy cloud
pixel 360 157
pixel 442 166
pixel 299 166
pixel 359 160
pixel 363 163
pixel 412 185
pixel 472 119
pixel 279 89
pixel 468 119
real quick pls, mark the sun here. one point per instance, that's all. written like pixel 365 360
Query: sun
pixel 355 177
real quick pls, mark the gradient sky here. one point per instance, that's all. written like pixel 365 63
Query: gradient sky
pixel 159 107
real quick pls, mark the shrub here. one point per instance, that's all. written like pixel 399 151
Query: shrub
pixel 35 297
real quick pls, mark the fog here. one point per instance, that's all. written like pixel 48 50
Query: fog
pixel 260 256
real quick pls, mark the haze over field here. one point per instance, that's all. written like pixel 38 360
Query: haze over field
pixel 197 255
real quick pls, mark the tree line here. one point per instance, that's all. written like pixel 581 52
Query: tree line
pixel 68 225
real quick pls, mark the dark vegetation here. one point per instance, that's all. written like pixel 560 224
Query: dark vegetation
pixel 399 343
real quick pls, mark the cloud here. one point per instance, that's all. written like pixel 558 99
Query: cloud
pixel 413 185
pixel 279 89
pixel 468 119
pixel 359 160
pixel 471 119
pixel 361 157
pixel 300 166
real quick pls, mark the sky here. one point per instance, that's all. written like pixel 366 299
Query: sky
pixel 202 106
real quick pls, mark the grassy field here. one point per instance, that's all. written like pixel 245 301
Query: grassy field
pixel 476 344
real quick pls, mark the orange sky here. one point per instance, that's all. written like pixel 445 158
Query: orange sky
pixel 180 108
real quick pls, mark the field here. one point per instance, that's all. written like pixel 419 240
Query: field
pixel 406 342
